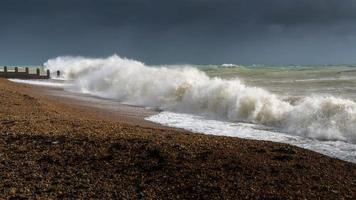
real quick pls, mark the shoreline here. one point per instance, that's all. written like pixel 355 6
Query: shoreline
pixel 72 150
pixel 108 109
pixel 138 115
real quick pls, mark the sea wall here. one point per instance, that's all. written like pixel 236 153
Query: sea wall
pixel 19 74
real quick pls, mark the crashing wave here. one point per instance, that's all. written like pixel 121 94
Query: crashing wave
pixel 189 90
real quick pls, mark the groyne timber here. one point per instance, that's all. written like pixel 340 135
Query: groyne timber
pixel 23 73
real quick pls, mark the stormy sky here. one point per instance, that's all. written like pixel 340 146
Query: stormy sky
pixel 180 31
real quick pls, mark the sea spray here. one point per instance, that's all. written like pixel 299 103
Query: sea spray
pixel 188 90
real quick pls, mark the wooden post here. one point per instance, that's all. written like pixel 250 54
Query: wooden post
pixel 48 73
pixel 5 71
pixel 16 69
pixel 27 70
pixel 38 71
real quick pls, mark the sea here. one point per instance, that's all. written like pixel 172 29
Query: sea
pixel 309 106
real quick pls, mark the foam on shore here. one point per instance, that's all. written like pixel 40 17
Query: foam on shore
pixel 46 83
pixel 336 149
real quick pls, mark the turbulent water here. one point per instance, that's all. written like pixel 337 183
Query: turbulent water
pixel 309 106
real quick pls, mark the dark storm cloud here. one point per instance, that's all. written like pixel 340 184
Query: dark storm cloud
pixel 197 31
pixel 311 12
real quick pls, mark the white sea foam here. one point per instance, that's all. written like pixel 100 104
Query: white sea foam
pixel 188 90
pixel 336 149
pixel 228 65
pixel 46 83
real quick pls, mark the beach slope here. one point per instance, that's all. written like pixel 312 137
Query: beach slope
pixel 53 149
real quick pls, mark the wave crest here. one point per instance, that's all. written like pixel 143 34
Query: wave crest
pixel 186 89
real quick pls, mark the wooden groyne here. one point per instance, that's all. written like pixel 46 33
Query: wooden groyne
pixel 20 74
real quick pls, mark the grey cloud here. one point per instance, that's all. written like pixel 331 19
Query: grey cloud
pixel 171 31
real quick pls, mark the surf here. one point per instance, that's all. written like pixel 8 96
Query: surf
pixel 186 89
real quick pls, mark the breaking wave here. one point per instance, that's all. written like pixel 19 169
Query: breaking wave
pixel 188 90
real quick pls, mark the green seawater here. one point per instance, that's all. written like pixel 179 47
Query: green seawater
pixel 293 80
